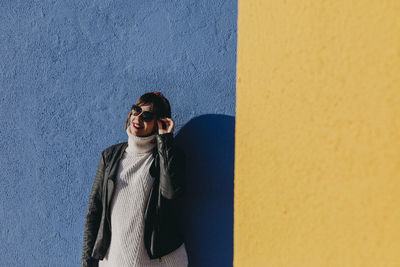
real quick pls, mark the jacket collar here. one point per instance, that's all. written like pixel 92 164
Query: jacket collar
pixel 115 158
pixel 117 155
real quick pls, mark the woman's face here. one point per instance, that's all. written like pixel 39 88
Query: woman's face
pixel 138 127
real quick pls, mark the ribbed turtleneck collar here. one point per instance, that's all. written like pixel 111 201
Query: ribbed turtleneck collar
pixel 138 145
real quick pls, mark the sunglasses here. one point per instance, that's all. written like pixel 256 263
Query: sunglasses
pixel 146 116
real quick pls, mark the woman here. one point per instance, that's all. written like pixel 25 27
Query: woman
pixel 130 219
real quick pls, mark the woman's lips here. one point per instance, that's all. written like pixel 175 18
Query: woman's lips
pixel 136 126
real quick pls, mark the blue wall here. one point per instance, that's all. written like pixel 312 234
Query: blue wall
pixel 69 72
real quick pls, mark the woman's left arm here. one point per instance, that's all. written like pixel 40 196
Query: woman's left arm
pixel 172 163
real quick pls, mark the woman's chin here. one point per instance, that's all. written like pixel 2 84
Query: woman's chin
pixel 138 132
pixel 141 132
pixel 134 131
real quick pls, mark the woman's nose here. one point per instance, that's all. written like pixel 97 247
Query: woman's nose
pixel 136 119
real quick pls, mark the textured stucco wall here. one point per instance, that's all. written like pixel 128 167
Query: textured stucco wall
pixel 317 155
pixel 69 72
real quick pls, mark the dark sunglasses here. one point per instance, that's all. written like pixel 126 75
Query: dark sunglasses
pixel 146 116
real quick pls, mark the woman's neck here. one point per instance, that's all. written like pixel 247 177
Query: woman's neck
pixel 138 145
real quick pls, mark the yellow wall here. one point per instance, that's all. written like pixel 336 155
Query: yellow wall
pixel 317 157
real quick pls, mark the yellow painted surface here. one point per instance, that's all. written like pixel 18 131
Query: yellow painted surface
pixel 317 157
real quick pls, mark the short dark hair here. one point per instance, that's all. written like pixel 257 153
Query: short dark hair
pixel 159 105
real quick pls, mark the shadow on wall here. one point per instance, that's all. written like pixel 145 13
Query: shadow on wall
pixel 205 213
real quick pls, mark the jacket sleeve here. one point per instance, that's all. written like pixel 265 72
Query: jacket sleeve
pixel 172 167
pixel 93 216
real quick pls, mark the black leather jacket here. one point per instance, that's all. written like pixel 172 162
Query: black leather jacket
pixel 161 234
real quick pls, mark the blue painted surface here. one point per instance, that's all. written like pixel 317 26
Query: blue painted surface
pixel 69 72
pixel 205 213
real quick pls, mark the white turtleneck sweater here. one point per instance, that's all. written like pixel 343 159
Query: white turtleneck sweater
pixel 133 184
